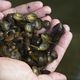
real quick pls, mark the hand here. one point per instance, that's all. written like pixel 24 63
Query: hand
pixel 4 5
pixel 11 69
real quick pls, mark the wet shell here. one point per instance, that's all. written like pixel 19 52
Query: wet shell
pixel 35 70
pixel 29 28
pixel 43 47
pixel 9 18
pixel 31 17
pixel 46 38
pixel 46 24
pixel 5 26
pixel 15 54
pixel 51 55
pixel 36 40
pixel 9 36
pixel 37 24
pixel 57 32
pixel 18 17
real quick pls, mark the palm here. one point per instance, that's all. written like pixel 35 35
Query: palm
pixel 17 70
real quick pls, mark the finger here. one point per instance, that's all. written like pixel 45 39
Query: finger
pixel 4 5
pixel 55 63
pixel 53 23
pixel 1 16
pixel 25 8
pixel 60 49
pixel 67 28
pixel 43 11
pixel 52 76
pixel 58 76
pixel 29 7
pixel 48 18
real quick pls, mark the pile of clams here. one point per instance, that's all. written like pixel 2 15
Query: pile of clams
pixel 19 39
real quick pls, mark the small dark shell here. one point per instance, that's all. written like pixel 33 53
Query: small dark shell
pixel 18 17
pixel 10 46
pixel 9 18
pixel 1 33
pixel 46 24
pixel 1 36
pixel 43 47
pixel 57 32
pixel 30 61
pixel 4 51
pixel 36 40
pixel 33 56
pixel 50 59
pixel 35 70
pixel 29 34
pixel 31 17
pixel 9 36
pixel 5 26
pixel 42 60
pixel 52 55
pixel 45 72
pixel 37 24
pixel 18 41
pixel 29 28
pixel 15 54
pixel 46 38
pixel 17 34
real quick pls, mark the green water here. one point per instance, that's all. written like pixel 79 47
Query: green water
pixel 68 12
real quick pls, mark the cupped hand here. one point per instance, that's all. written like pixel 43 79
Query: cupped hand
pixel 11 69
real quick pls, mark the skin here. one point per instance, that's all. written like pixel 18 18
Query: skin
pixel 11 69
pixel 4 7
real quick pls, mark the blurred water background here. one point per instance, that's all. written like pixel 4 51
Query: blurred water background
pixel 68 11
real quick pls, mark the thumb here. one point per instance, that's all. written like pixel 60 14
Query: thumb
pixel 52 76
pixel 11 69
